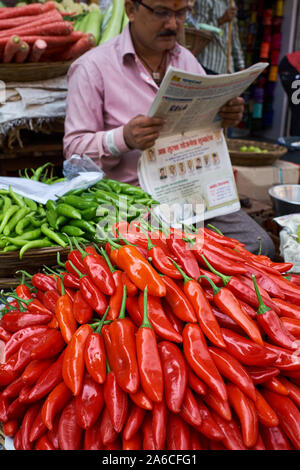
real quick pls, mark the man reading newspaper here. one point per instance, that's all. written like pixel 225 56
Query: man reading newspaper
pixel 111 88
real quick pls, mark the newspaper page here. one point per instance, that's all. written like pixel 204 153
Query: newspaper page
pixel 189 169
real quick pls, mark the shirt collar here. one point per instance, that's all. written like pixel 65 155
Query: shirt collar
pixel 127 48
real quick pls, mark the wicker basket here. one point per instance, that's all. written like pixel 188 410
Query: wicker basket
pixel 196 39
pixel 239 158
pixel 30 72
pixel 31 262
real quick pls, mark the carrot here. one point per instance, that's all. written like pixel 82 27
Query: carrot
pixel 52 41
pixel 56 28
pixel 37 50
pixel 22 53
pixel 31 9
pixel 22 20
pixel 45 20
pixel 80 47
pixel 10 49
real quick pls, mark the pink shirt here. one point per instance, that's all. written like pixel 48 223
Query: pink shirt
pixel 107 87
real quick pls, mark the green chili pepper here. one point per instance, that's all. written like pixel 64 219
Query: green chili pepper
pixel 16 197
pixel 41 243
pixel 68 211
pixel 53 235
pixel 61 220
pixel 19 215
pixel 22 224
pixel 7 216
pixel 72 231
pixel 7 203
pixel 30 203
pixel 3 242
pixel 90 213
pixel 38 172
pixel 51 217
pixel 78 202
pixel 41 210
pixel 51 205
pixel 84 225
pixel 10 248
pixel 36 222
pixel 29 235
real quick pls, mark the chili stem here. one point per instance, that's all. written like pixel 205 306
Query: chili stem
pixel 224 278
pixel 146 323
pixel 262 307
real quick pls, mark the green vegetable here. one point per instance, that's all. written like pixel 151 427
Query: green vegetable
pixel 7 215
pixel 93 23
pixel 42 243
pixel 114 25
pixel 53 235
pixel 19 215
pixel 68 211
pixel 72 231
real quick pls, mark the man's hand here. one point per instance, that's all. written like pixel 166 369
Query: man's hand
pixel 141 132
pixel 228 16
pixel 232 112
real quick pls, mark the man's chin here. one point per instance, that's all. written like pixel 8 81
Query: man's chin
pixel 167 41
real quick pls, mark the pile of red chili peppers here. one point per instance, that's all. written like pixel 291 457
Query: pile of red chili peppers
pixel 145 343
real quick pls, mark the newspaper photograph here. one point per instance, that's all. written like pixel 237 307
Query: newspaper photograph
pixel 189 169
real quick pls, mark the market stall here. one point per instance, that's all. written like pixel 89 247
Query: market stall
pixel 119 331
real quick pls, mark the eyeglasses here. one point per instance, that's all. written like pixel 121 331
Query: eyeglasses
pixel 165 14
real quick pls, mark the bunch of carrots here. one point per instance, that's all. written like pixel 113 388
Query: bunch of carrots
pixel 159 339
pixel 40 33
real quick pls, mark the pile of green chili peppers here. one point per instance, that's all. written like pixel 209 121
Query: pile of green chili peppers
pixel 87 214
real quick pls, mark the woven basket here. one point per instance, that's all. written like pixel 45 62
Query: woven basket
pixel 240 158
pixel 32 261
pixel 196 39
pixel 30 72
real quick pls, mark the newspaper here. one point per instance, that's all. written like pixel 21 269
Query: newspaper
pixel 189 169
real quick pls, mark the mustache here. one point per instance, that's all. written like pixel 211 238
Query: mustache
pixel 167 33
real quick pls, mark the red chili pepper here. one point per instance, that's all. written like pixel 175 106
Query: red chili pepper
pixel 14 322
pixel 95 354
pixel 227 302
pixel 290 290
pixel 276 386
pixel 92 295
pixel 226 322
pixel 89 402
pixel 116 401
pixel 198 357
pixel 185 255
pixel 53 434
pixel 265 281
pixel 107 432
pixel 294 278
pixel 141 399
pixel 22 290
pixel 159 424
pixel 294 390
pixel 92 439
pixel 16 409
pixel 140 271
pixel 43 282
pixel 43 443
pixel 158 319
pixel 10 428
pixel 82 311
pixel 209 427
pixel 69 431
pixel 132 444
pixel 230 368
pixel 47 381
pixel 287 309
pixel 132 290
pixel 73 363
pixel 75 259
pixel 3 408
pixel 12 390
pixel 195 383
pixel 65 316
pixel 17 440
pixel 189 411
pixel 124 360
pixel 272 325
pixel 38 427
pixel 150 368
pixel 70 280
pixel 175 375
pixel 205 316
pixel 134 420
pixel 147 434
pixel 7 371
pixel 51 344
pixel 178 301
pixel 265 413
pixel 133 310
pixel 177 324
pixel 115 300
pixel 98 271
pixel 54 403
pixel 50 298
pixel 246 413
pixel 274 438
pixel 24 352
pixel 219 262
pixel 178 434
pixel 285 359
pixel 292 325
pixel 221 407
pixel 246 351
pixel 260 375
pixel 4 334
pixel 26 425
pixel 232 437
pixel 20 336
pixel 288 415
pixel 130 235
